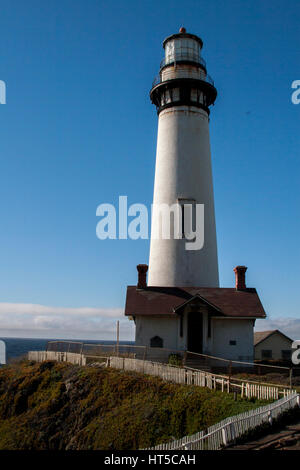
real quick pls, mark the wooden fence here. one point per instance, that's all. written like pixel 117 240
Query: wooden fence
pixel 226 432
pixel 73 358
pixel 184 375
pixel 175 374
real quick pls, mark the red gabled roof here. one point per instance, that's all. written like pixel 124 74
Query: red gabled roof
pixel 164 301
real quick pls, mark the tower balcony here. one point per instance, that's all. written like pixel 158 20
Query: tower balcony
pixel 183 57
pixel 182 71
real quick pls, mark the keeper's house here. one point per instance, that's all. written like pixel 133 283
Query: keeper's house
pixel 215 321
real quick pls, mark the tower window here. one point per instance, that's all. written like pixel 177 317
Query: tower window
pixel 175 94
pixel 232 342
pixel 188 216
pixel 168 96
pixel 194 94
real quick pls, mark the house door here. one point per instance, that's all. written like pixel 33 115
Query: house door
pixel 195 332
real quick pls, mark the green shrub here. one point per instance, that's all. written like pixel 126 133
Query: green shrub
pixel 175 360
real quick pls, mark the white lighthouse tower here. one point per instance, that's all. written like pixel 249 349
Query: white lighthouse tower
pixel 182 307
pixel 182 94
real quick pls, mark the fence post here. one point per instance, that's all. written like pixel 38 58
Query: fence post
pixel 184 358
pixel 232 432
pixel 229 375
pixel 224 437
pixel 291 377
pixel 270 417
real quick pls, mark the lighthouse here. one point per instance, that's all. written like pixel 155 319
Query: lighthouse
pixel 181 307
pixel 182 94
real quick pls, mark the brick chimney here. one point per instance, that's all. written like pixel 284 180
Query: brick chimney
pixel 142 276
pixel 240 274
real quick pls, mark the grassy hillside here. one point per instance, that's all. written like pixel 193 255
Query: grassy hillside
pixel 61 406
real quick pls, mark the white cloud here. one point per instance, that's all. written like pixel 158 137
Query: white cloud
pixel 36 309
pixel 288 326
pixel 34 320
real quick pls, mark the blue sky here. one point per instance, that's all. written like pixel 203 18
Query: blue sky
pixel 78 130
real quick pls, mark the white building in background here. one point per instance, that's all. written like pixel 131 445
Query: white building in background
pixel 183 307
pixel 272 345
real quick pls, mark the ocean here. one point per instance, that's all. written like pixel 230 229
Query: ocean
pixel 19 347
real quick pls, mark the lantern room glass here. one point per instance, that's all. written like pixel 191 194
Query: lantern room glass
pixel 182 49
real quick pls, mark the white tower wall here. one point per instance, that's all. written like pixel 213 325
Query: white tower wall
pixel 183 171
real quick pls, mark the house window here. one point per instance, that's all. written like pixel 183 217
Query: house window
pixel 181 326
pixel 266 354
pixel 209 326
pixel 286 354
pixel 232 342
pixel 156 342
